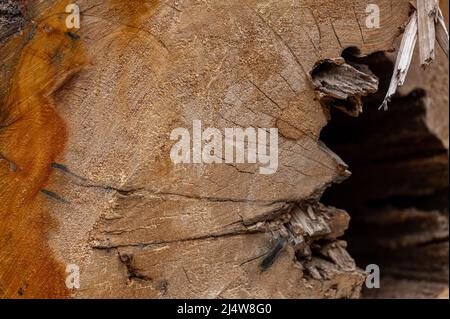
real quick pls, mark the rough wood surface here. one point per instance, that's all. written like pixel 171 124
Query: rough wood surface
pixel 86 176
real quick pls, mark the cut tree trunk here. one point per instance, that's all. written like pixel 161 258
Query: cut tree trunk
pixel 85 171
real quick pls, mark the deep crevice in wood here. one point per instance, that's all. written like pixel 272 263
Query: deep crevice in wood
pixel 397 194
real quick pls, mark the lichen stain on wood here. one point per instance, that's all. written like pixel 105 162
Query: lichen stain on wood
pixel 32 135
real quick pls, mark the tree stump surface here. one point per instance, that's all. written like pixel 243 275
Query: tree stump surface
pixel 85 171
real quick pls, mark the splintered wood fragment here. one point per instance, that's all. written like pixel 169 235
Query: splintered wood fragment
pixel 303 224
pixel 342 85
pixel 338 254
pixel 404 58
pixel 441 32
pixel 427 10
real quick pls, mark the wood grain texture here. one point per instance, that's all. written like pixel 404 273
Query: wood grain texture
pixel 426 13
pixel 32 136
pixel 140 226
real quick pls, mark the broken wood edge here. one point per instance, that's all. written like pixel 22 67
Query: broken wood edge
pixel 426 12
pixel 427 24
pixel 312 230
pixel 344 87
pixel 441 32
pixel 403 60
